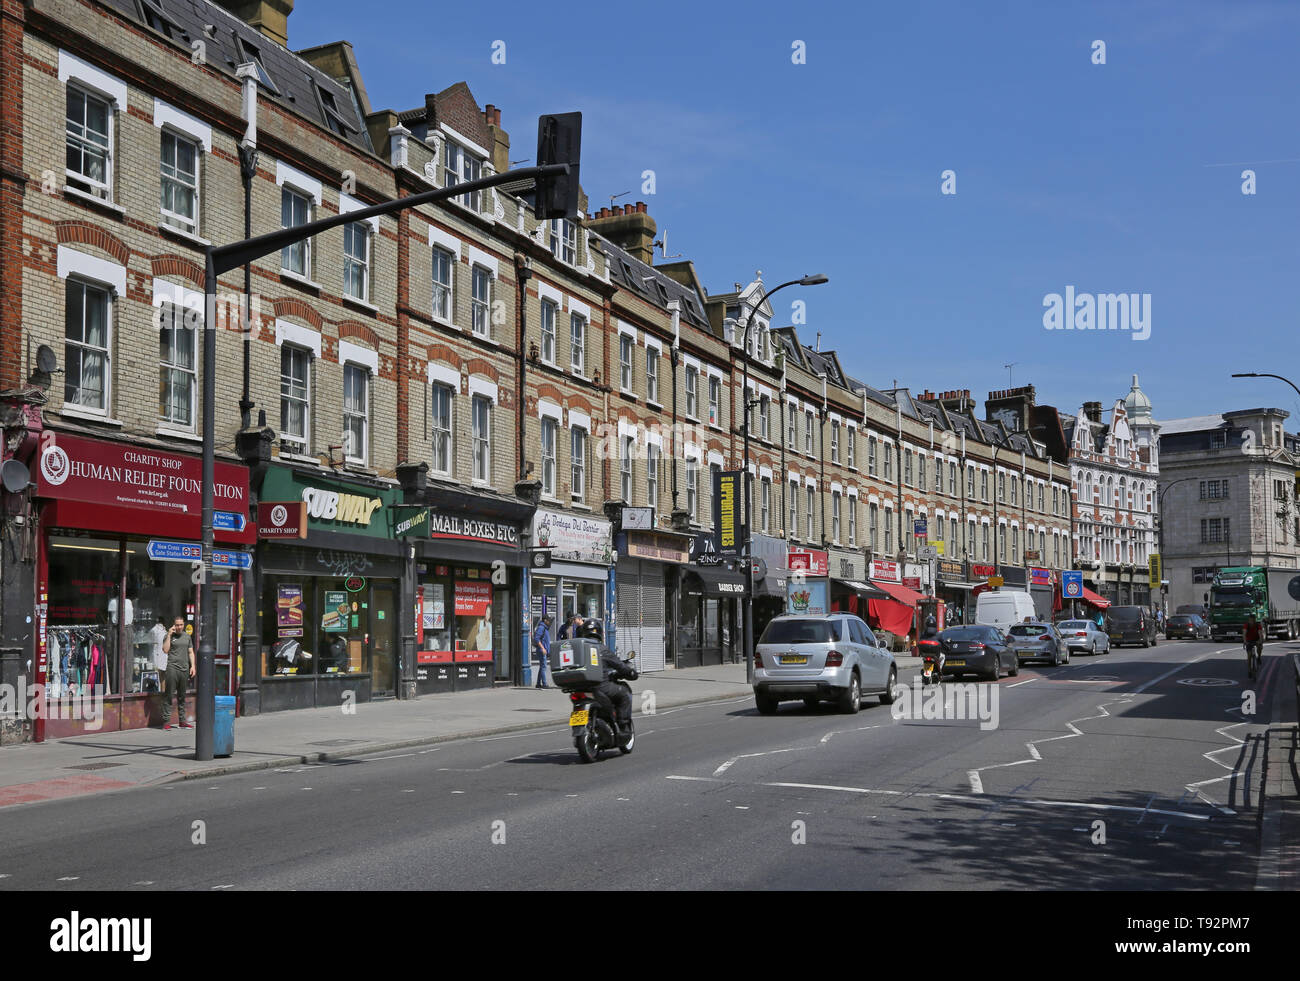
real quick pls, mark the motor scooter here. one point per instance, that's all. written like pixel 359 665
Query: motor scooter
pixel 592 715
pixel 931 654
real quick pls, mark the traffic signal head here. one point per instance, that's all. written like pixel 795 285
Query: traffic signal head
pixel 559 141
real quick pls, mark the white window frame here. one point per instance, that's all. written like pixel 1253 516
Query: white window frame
pixel 549 437
pixel 578 463
pixel 853 520
pixel 808 432
pixel 364 230
pixel 564 240
pixel 692 486
pixel 577 343
pixel 835 443
pixel 289 192
pixel 626 356
pixel 437 432
pixel 811 492
pixel 179 312
pixel 652 456
pixel 175 219
pixel 793 530
pixel 365 374
pixel 626 447
pixel 765 497
pixel 692 386
pixel 105 353
pixel 479 308
pixel 460 166
pixel 550 343
pixel 297 445
pixel 482 441
pixel 715 400
pixel 652 374
pixel 835 516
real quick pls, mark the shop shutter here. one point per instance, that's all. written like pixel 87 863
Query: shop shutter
pixel 651 656
pixel 627 581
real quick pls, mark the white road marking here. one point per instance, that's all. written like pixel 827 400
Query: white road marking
pixel 976 784
pixel 740 808
pixel 259 788
pixel 143 882
pixel 458 791
pixel 1173 671
pixel 1195 788
pixel 69 878
pixel 827 738
pixel 1019 683
pixel 744 756
pixel 702 779
pixel 229 885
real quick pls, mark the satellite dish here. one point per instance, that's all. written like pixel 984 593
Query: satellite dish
pixel 15 476
pixel 46 360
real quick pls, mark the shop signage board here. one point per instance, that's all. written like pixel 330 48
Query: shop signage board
pixel 1040 577
pixel 456 526
pixel 704 550
pixel 726 498
pixel 982 571
pixel 919 528
pixel 1153 569
pixel 809 597
pixel 949 568
pixel 573 537
pixel 117 475
pixel 640 519
pixel 887 571
pixel 813 562
pixel 846 564
pixel 659 546
pixel 912 583
pixel 409 522
pixel 281 519
pixel 332 505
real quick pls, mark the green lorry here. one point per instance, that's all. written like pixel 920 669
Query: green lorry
pixel 1273 595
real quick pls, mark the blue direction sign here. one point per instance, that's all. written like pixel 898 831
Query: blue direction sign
pixel 919 528
pixel 232 560
pixel 164 551
pixel 229 520
pixel 1072 584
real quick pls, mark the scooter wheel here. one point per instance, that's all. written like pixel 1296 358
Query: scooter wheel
pixel 625 747
pixel 585 741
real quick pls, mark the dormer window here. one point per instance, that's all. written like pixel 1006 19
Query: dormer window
pixel 249 52
pixel 330 110
pixel 462 167
pixel 564 240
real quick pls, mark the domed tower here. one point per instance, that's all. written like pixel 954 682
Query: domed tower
pixel 1145 429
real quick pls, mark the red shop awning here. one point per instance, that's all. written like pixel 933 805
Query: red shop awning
pixel 1099 602
pixel 894 615
pixel 908 597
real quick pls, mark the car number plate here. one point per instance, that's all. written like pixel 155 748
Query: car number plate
pixel 1116 636
pixel 959 664
pixel 794 659
pixel 578 718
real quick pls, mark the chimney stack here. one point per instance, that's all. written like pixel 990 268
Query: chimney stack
pixel 1092 411
pixel 271 17
pixel 629 228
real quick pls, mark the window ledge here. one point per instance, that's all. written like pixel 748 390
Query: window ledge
pixel 178 434
pixel 359 467
pixel 352 301
pixel 287 276
pixel 299 458
pixel 579 507
pixel 100 203
pixel 629 395
pixel 188 237
pixel 72 412
pixel 653 405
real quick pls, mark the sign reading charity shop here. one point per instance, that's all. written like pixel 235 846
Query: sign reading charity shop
pixel 572 537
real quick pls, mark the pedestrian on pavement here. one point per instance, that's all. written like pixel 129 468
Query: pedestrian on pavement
pixel 570 628
pixel 179 647
pixel 542 647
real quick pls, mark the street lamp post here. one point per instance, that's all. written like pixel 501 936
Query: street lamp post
pixel 1265 374
pixel 748 636
pixel 1160 517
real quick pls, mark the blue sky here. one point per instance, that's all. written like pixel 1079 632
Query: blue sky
pixel 1122 177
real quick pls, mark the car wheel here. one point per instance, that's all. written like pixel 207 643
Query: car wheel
pixel 887 696
pixel 1145 645
pixel 851 700
pixel 767 705
pixel 997 669
pixel 1067 656
pixel 811 704
pixel 1015 667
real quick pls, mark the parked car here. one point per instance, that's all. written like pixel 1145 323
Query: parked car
pixel 815 658
pixel 1131 625
pixel 1038 642
pixel 977 649
pixel 1200 609
pixel 1187 625
pixel 1084 635
pixel 1002 607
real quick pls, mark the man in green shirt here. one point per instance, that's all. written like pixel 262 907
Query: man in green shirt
pixel 179 648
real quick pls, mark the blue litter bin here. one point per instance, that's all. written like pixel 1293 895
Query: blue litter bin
pixel 223 726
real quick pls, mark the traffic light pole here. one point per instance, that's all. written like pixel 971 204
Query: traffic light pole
pixel 224 258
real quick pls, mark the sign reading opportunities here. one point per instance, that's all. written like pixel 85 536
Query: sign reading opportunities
pixel 726 495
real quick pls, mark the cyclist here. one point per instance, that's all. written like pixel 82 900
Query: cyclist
pixel 1253 641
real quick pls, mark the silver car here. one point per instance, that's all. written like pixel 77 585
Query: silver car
pixel 1084 635
pixel 1038 642
pixel 817 658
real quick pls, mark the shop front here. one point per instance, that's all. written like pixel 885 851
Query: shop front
pixel 469 591
pixel 331 574
pixel 711 600
pixel 897 613
pixel 770 571
pixel 1045 593
pixel 647 574
pixel 118 559
pixel 578 579
pixel 850 592
pixel 954 589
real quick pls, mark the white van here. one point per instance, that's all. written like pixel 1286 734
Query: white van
pixel 1004 607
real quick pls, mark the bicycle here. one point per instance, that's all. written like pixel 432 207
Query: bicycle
pixel 1254 652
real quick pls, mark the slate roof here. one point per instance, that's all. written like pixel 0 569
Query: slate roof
pixel 650 284
pixel 297 85
pixel 1191 424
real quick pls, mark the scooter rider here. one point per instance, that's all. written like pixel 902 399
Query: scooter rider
pixel 616 667
pixel 931 630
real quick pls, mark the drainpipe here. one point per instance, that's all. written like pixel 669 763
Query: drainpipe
pixel 821 416
pixel 675 307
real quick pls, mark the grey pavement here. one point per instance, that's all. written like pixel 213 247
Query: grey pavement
pixel 114 760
